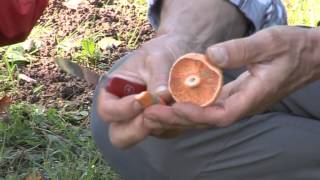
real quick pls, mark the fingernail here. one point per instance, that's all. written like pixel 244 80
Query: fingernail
pixel 218 55
pixel 137 106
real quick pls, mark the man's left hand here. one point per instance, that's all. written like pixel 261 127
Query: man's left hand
pixel 279 61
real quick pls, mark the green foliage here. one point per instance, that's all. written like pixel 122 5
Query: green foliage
pixel 14 55
pixel 90 53
pixel 139 2
pixel 133 38
pixel 42 141
pixel 10 68
pixel 90 50
pixel 302 12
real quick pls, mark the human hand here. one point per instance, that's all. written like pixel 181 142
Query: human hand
pixel 149 66
pixel 279 61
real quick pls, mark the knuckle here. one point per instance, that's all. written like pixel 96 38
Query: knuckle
pixel 172 122
pixel 116 141
pixel 271 33
pixel 223 123
pixel 102 113
pixel 243 50
pixel 105 116
pixel 238 51
pixel 274 37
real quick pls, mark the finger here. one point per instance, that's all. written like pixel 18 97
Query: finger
pixel 238 103
pixel 240 52
pixel 242 100
pixel 187 114
pixel 113 109
pixel 126 134
pixel 168 134
pixel 166 116
pixel 161 130
pixel 193 114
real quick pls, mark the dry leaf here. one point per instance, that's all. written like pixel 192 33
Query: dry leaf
pixel 37 176
pixel 108 42
pixel 4 104
pixel 27 78
pixel 74 4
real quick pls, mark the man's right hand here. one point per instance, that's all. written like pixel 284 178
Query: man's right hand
pixel 149 65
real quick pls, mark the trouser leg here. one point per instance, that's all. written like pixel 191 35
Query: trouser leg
pixel 269 146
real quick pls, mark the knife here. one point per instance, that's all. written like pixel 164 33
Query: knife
pixel 117 86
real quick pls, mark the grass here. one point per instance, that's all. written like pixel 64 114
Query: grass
pixel 56 143
pixel 49 142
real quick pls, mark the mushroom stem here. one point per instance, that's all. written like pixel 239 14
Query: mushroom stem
pixel 192 81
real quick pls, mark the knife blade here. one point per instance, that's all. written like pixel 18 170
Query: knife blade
pixel 117 86
pixel 77 70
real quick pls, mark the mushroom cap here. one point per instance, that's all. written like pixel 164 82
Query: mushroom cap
pixel 193 79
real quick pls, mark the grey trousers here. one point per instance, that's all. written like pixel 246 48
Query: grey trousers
pixel 281 144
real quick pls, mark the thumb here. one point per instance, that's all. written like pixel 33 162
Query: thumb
pixel 236 53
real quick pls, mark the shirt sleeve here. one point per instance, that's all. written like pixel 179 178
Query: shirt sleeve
pixel 261 13
pixel 17 18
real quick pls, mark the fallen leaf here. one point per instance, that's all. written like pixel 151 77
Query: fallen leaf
pixel 74 4
pixel 4 104
pixel 84 113
pixel 26 78
pixel 108 42
pixel 28 45
pixel 16 55
pixel 36 176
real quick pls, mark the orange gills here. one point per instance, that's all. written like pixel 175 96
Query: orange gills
pixel 193 79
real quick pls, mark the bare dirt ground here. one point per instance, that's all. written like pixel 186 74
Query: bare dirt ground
pixel 60 22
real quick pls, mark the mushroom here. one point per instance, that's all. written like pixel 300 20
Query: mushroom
pixel 193 79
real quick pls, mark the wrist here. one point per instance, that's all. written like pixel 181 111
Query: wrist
pixel 202 23
pixel 314 53
pixel 171 44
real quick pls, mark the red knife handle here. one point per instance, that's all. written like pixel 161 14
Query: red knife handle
pixel 121 87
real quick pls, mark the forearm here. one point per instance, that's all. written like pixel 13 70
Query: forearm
pixel 314 52
pixel 201 23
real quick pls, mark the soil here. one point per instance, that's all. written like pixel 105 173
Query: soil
pixel 56 89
